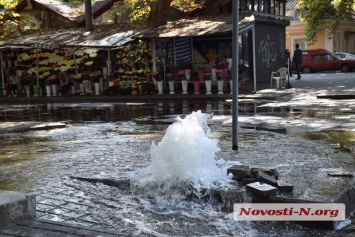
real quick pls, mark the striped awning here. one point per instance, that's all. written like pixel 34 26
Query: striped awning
pixel 183 50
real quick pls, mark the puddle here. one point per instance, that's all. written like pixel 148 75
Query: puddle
pixel 332 136
pixel 105 140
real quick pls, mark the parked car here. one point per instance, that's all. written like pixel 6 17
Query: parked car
pixel 345 55
pixel 315 60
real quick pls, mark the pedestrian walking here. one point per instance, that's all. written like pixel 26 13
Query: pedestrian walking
pixel 297 60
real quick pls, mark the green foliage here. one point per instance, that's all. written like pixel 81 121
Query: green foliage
pixel 141 9
pixel 324 14
pixel 8 3
pixel 138 9
pixel 9 21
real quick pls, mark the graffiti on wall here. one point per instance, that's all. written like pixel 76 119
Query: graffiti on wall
pixel 267 48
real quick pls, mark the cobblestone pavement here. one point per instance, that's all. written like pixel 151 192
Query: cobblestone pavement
pixel 42 227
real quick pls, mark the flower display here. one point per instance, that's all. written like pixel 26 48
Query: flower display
pixel 211 56
pixel 95 76
pixel 219 74
pixel 27 80
pixel 156 76
pixel 206 76
pixel 48 82
pixel 223 64
pixel 181 74
pixel 198 66
pixel 54 79
pixel 169 76
pixel 88 64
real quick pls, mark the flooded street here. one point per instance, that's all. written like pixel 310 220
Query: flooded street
pixel 82 173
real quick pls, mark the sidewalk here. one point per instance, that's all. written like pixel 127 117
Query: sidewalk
pixel 325 85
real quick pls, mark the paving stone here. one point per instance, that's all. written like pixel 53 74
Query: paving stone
pixel 271 172
pixel 49 226
pixel 265 178
pixel 86 232
pixel 48 126
pixel 239 171
pixel 246 181
pixel 284 186
pixel 262 189
pixel 15 230
pixel 44 207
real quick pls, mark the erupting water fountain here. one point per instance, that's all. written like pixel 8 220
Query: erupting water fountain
pixel 184 158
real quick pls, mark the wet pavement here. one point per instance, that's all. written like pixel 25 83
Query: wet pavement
pixel 303 162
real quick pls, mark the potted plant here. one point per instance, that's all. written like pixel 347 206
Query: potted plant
pixel 26 82
pixel 213 70
pixel 182 77
pixel 54 83
pixel 48 83
pixel 212 57
pixel 208 83
pixel 170 78
pixel 159 81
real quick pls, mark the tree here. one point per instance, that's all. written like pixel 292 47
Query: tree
pixel 88 15
pixel 155 12
pixel 324 14
pixel 9 20
pixel 8 3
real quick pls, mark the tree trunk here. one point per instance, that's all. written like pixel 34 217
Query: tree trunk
pixel 159 11
pixel 88 16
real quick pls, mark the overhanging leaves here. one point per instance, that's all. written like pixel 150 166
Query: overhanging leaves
pixel 324 14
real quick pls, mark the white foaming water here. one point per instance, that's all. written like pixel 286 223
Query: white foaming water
pixel 185 156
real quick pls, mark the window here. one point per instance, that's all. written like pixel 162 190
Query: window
pixel 261 5
pixel 315 58
pixel 272 7
pixel 277 8
pixel 282 9
pixel 327 57
pixel 301 41
pixel 256 5
pixel 249 5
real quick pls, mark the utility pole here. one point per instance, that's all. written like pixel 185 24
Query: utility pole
pixel 235 53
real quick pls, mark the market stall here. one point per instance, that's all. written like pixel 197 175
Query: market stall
pixel 85 56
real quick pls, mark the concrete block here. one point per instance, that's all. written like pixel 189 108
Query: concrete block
pixel 246 181
pixel 228 197
pixel 265 178
pixel 284 186
pixel 270 172
pixel 16 206
pixel 239 171
pixel 48 126
pixel 262 189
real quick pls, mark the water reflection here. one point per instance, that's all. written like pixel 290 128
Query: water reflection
pixel 55 112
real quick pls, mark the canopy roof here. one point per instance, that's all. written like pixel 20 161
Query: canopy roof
pixel 198 26
pixel 102 37
pixel 111 37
